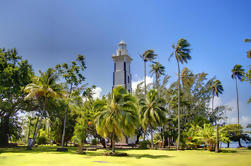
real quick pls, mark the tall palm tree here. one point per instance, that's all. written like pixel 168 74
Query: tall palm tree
pixel 217 89
pixel 158 70
pixel 148 55
pixel 152 111
pixel 117 116
pixel 182 55
pixel 237 73
pixel 42 89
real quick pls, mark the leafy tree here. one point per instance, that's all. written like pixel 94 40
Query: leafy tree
pixel 182 54
pixel 237 73
pixel 152 112
pixel 148 55
pixel 15 74
pixel 117 116
pixel 72 74
pixel 235 133
pixel 43 88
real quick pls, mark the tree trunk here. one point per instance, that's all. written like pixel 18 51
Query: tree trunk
pixel 217 139
pixel 4 134
pixel 151 131
pixel 178 140
pixel 113 142
pixel 36 132
pixel 163 137
pixel 102 141
pixel 169 143
pixel 29 130
pixel 65 119
pixel 239 142
pixel 237 97
pixel 144 137
pixel 145 76
pixel 228 143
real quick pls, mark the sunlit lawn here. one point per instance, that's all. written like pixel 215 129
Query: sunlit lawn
pixel 45 156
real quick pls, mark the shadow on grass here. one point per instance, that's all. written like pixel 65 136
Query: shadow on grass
pixel 139 156
pixel 227 151
pixel 130 155
pixel 40 149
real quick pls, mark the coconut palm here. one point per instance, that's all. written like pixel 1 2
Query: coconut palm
pixel 217 89
pixel 182 55
pixel 152 112
pixel 237 73
pixel 117 116
pixel 158 70
pixel 42 89
pixel 148 55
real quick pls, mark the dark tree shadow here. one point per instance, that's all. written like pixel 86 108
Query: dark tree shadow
pixel 40 149
pixel 139 156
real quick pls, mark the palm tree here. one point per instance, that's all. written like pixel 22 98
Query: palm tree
pixel 152 111
pixel 42 89
pixel 148 55
pixel 249 51
pixel 117 116
pixel 158 70
pixel 182 54
pixel 237 73
pixel 217 89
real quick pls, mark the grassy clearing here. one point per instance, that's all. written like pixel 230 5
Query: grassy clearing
pixel 47 156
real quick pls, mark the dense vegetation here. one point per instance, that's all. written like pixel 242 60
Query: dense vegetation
pixel 57 106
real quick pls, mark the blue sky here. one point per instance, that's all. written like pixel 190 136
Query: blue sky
pixel 48 32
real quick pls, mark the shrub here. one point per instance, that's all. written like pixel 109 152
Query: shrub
pixel 249 147
pixel 41 140
pixel 143 144
pixel 94 142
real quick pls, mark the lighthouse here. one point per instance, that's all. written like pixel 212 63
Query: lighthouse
pixel 122 74
pixel 122 77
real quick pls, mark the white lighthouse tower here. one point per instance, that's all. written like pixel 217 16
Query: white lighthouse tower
pixel 122 74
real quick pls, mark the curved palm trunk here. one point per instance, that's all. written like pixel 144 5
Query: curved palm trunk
pixel 217 128
pixel 36 131
pixel 238 111
pixel 237 97
pixel 178 141
pixel 144 138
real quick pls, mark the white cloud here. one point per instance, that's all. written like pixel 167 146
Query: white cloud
pixel 232 115
pixel 149 80
pixel 244 120
pixel 97 92
pixel 217 102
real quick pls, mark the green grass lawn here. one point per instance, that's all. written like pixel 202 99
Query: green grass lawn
pixel 45 156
